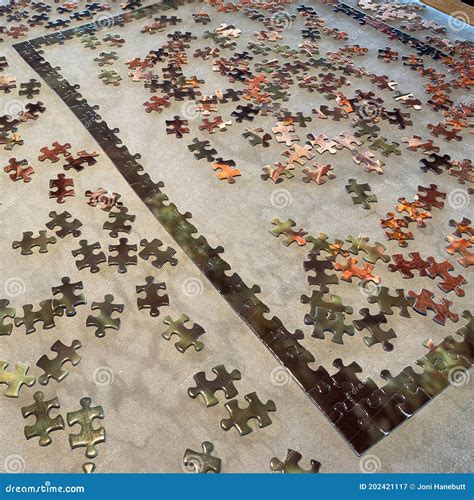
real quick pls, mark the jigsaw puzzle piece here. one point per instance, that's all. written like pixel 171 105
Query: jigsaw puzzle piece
pixel 188 336
pixel 291 464
pixel 44 423
pixel 224 381
pixel 88 437
pixel 239 417
pixel 53 368
pixel 15 379
pixel 204 462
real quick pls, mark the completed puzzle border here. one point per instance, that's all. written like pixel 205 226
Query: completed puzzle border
pixel 376 412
